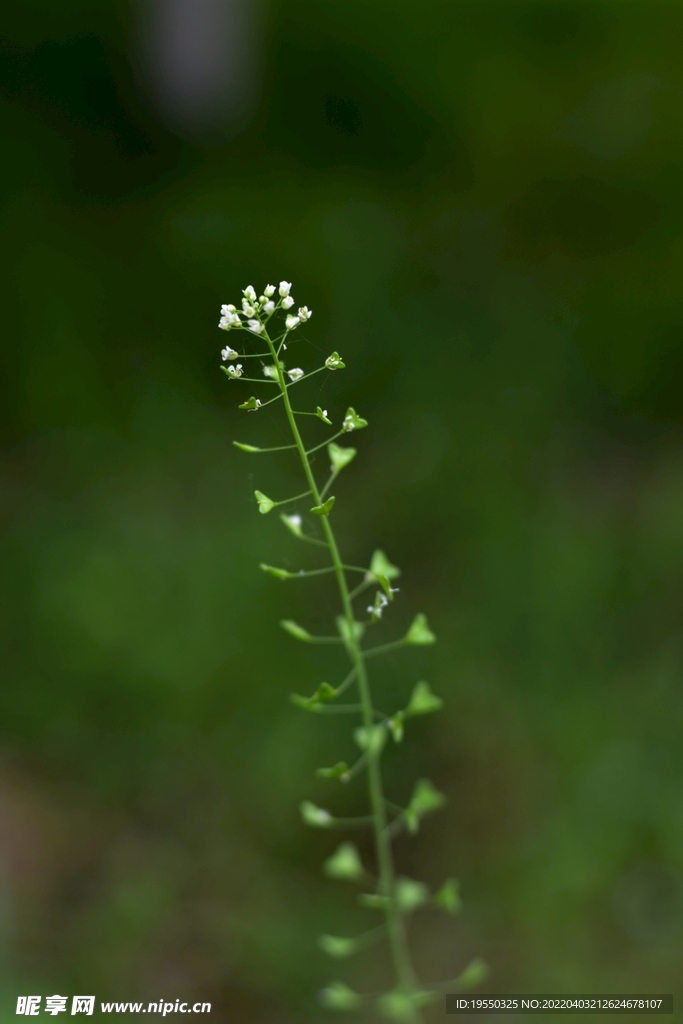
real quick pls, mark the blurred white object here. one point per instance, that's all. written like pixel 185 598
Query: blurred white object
pixel 197 62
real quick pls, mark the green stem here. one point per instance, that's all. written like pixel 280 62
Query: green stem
pixel 405 976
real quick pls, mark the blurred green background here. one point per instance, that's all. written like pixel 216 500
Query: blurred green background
pixel 482 203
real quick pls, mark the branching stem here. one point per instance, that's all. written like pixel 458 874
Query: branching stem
pixel 403 968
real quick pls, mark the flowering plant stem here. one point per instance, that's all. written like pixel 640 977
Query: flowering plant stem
pixel 403 968
pixel 395 897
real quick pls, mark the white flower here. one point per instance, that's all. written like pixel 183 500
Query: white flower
pixel 249 293
pixel 228 353
pixel 284 288
pixel 248 310
pixel 287 302
pixel 305 313
pixel 269 290
pixel 295 374
pixel 226 322
pixel 376 609
pixel 255 326
pixel 227 309
pixel 235 371
pixel 291 322
pixel 270 371
pixel 295 519
pixel 268 308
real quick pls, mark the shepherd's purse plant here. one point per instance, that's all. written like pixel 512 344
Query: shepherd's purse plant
pixel 270 321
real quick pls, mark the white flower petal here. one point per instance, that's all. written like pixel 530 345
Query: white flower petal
pixel 228 320
pixel 255 326
pixel 295 374
pixel 284 288
pixel 291 322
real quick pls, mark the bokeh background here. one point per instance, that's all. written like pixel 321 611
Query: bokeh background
pixel 483 204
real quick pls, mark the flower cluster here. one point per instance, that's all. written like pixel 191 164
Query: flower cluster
pixel 257 310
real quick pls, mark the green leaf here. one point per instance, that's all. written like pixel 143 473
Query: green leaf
pixel 338 996
pixel 306 703
pixel 374 901
pixel 352 421
pixel 245 447
pixel 381 566
pixel 397 1006
pixel 322 695
pixel 340 457
pixel 448 896
pixel 410 894
pixel 251 404
pixel 419 632
pixel 334 362
pixel 295 630
pixel 322 415
pixel 293 523
pixel 343 627
pixel 336 946
pixel 473 974
pixel 370 740
pixel 425 798
pixel 422 700
pixel 395 724
pixel 337 771
pixel 316 817
pixel 279 574
pixel 324 509
pixel 265 504
pixel 345 863
pixel 401 1006
pixel 325 693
